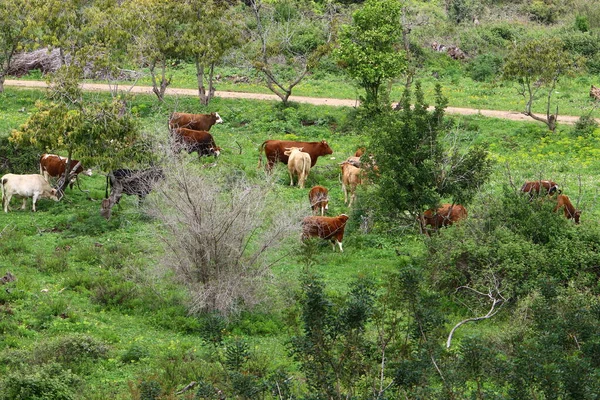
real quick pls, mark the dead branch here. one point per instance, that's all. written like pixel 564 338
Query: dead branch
pixel 497 300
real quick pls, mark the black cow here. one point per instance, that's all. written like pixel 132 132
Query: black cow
pixel 131 182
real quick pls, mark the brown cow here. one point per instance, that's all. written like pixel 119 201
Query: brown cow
pixel 319 199
pixel 197 122
pixel 445 215
pixel 52 165
pixel 328 228
pixel 540 187
pixel 570 211
pixel 298 164
pixel 201 142
pixel 351 178
pixel 595 92
pixel 274 151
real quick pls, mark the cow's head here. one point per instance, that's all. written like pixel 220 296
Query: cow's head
pixel 576 216
pixel 325 147
pixel 218 119
pixel 87 172
pixel 215 151
pixel 54 194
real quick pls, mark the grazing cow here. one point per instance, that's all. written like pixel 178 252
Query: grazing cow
pixel 445 215
pixel 201 142
pixel 131 182
pixel 197 122
pixel 33 185
pixel 595 92
pixel 328 228
pixel 570 211
pixel 298 164
pixel 540 187
pixel 275 149
pixel 351 178
pixel 319 199
pixel 52 165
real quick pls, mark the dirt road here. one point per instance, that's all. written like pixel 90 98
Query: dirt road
pixel 511 115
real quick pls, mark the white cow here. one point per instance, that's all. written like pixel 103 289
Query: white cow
pixel 34 186
pixel 298 164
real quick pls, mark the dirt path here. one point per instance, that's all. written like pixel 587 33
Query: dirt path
pixel 511 115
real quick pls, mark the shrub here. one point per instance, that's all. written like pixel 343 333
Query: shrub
pixel 40 382
pixel 72 350
pixel 18 159
pixel 582 23
pixel 485 67
pixel 134 353
pixel 585 126
pixel 543 12
pixel 584 43
pixel 115 293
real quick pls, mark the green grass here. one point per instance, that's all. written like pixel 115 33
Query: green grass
pixel 79 274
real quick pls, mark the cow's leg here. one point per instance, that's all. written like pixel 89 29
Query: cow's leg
pixel 344 189
pixel 339 244
pixel 6 201
pixel 33 200
pixel 291 178
pixel 322 210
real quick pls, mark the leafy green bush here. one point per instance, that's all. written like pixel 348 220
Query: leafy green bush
pixel 134 353
pixel 20 159
pixel 485 67
pixel 584 43
pixel 72 350
pixel 543 11
pixel 585 126
pixel 582 23
pixel 40 382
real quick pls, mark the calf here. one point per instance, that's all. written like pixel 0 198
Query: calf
pixel 569 210
pixel 595 92
pixel 197 122
pixel 201 142
pixel 275 149
pixel 351 178
pixel 445 215
pixel 540 187
pixel 33 185
pixel 54 166
pixel 328 228
pixel 298 164
pixel 319 199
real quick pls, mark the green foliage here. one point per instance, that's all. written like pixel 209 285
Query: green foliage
pixel 369 48
pixel 586 125
pixel 49 381
pixel 583 43
pixel 582 23
pixel 135 353
pixel 17 159
pixel 150 390
pixel 463 10
pixel 415 171
pixel 545 11
pixel 333 350
pixel 485 67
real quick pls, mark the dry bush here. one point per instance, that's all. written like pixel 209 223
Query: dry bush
pixel 218 236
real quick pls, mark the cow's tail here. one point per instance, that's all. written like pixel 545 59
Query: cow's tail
pixel 261 148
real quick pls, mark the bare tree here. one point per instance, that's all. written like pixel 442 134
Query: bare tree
pixel 218 237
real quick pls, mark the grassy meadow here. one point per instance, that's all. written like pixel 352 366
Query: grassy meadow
pixel 89 286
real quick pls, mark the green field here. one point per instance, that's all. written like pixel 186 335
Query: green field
pixel 93 296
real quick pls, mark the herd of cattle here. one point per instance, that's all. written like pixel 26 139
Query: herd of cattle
pixel 191 132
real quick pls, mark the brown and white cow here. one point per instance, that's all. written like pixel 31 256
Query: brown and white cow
pixel 540 188
pixel 563 200
pixel 319 199
pixel 328 228
pixel 351 178
pixel 201 142
pixel 197 122
pixel 275 149
pixel 54 166
pixel 298 164
pixel 445 215
pixel 25 186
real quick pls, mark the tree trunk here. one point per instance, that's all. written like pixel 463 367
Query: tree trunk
pixel 2 78
pixel 200 80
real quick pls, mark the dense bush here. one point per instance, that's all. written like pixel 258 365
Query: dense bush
pixel 485 67
pixel 21 159
pixel 583 43
pixel 44 382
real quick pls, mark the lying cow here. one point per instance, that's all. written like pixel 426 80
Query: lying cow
pixel 197 122
pixel 319 199
pixel 569 210
pixel 328 228
pixel 445 215
pixel 351 178
pixel 274 151
pixel 540 188
pixel 54 166
pixel 33 185
pixel 201 142
pixel 298 164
